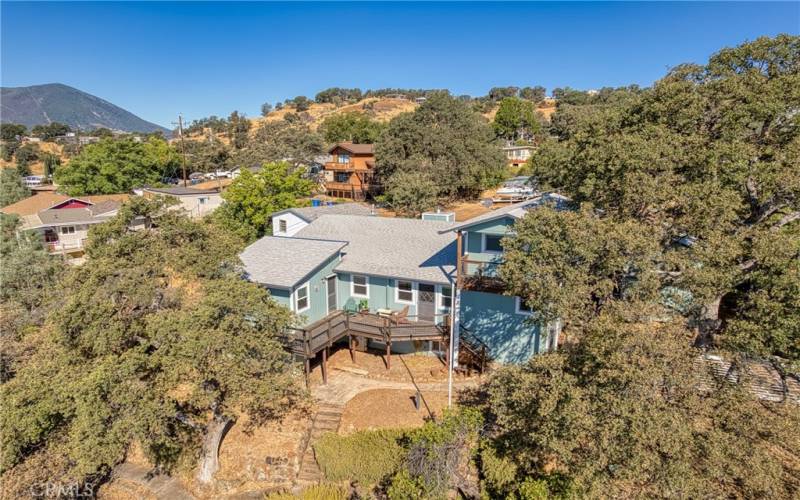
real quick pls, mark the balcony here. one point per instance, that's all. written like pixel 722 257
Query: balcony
pixel 480 275
pixel 341 167
pixel 355 191
pixel 65 246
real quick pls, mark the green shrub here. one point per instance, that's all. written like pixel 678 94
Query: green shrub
pixel 405 487
pixel 499 474
pixel 534 489
pixel 437 452
pixel 316 492
pixel 365 457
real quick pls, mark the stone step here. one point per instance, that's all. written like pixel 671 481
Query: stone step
pixel 330 407
pixel 327 425
pixel 327 419
pixel 330 413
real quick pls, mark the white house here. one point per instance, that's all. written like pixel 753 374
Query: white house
pixel 64 227
pixel 196 202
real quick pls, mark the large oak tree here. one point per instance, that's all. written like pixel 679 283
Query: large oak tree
pixel 708 160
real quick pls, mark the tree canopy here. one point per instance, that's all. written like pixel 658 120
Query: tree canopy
pixel 238 127
pixel 338 95
pixel 50 131
pixel 277 141
pixel 632 411
pixel 158 342
pixel 12 189
pixel 11 131
pixel 448 141
pixel 411 193
pixel 516 119
pixel 708 159
pixel 351 127
pixel 117 166
pixel 251 198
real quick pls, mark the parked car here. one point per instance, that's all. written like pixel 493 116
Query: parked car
pixel 33 180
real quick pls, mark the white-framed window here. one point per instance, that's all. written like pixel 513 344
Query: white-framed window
pixel 521 307
pixel 490 243
pixel 282 225
pixel 67 229
pixel 359 286
pixel 344 158
pixel 202 201
pixel 445 297
pixel 302 301
pixel 404 292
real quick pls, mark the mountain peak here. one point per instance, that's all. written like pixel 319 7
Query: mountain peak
pixel 57 102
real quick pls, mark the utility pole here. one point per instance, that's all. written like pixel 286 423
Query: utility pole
pixel 183 146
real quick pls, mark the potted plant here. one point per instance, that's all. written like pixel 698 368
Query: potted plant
pixel 363 305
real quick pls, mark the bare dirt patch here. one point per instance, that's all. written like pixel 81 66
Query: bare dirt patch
pixel 405 367
pixel 390 408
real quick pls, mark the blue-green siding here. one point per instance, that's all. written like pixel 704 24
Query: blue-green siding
pixel 381 294
pixel 280 296
pixel 511 337
pixel 317 289
pixel 473 243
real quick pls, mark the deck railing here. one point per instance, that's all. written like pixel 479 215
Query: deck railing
pixel 339 324
pixel 63 246
pixel 480 274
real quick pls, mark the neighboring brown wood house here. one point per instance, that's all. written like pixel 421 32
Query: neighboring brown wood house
pixel 350 172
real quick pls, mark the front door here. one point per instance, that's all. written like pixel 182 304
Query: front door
pixel 331 293
pixel 426 302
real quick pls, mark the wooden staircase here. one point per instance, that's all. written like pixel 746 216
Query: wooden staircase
pixel 327 419
pixel 473 353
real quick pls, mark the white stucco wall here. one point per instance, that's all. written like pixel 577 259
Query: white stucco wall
pixel 195 208
pixel 293 224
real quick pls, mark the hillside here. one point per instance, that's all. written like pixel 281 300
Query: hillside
pixel 55 102
pixel 381 109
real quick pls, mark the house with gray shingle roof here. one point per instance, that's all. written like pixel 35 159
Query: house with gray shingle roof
pixel 64 227
pixel 339 258
pixel 288 222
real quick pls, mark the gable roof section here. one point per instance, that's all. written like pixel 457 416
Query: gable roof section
pixel 515 210
pixel 72 203
pixel 280 262
pixel 84 215
pixel 309 214
pixel 42 201
pixel 414 249
pixel 356 149
pixel 181 191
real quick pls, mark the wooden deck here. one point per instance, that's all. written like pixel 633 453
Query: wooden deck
pixel 320 336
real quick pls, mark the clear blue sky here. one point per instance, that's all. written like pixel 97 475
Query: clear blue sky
pixel 159 59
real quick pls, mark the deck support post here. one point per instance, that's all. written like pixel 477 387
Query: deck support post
pixel 388 356
pixel 352 349
pixel 325 366
pixel 307 370
pixel 459 265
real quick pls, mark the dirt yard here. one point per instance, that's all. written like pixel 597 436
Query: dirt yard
pixel 405 367
pixel 390 408
pixel 252 460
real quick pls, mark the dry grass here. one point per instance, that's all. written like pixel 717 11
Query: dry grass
pixel 380 109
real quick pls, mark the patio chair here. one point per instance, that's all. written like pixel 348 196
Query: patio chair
pixel 401 316
pixel 350 307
